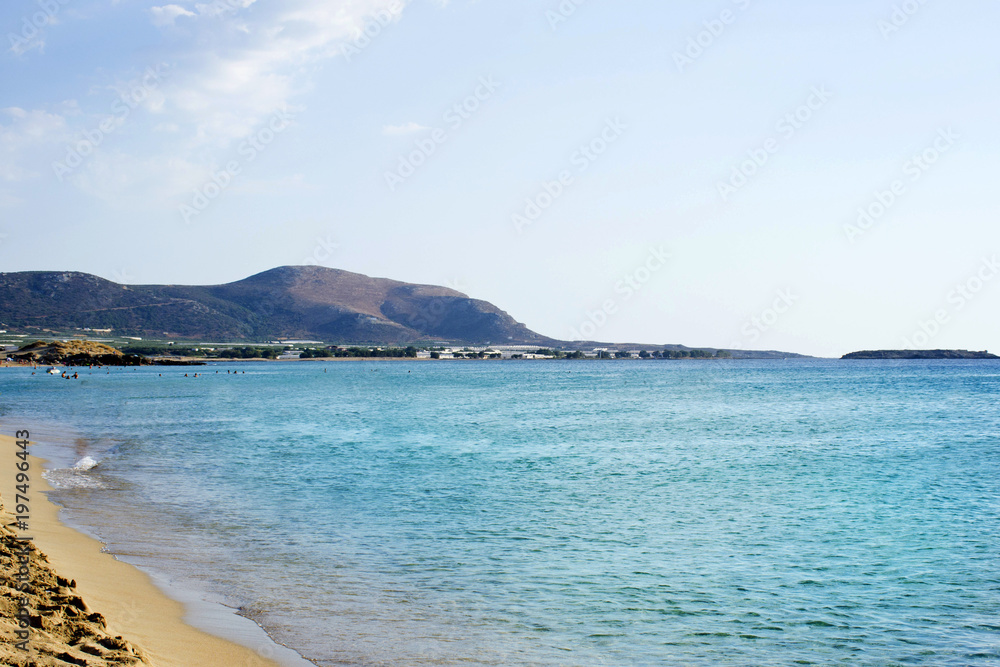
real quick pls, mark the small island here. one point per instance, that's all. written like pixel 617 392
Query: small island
pixel 919 354
pixel 85 353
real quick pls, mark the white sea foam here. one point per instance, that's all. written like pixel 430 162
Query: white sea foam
pixel 86 463
pixel 76 477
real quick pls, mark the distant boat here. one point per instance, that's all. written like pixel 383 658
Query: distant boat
pixel 52 371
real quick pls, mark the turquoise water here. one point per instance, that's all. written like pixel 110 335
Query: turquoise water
pixel 554 513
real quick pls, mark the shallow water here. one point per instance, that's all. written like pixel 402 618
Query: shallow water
pixel 554 513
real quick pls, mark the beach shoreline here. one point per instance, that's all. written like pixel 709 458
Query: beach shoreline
pixel 133 606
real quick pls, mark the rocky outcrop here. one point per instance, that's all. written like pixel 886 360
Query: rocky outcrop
pixel 75 353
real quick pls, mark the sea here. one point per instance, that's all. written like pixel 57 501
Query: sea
pixel 702 513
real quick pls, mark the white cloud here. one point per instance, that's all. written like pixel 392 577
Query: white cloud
pixel 231 65
pixel 275 186
pixel 235 62
pixel 219 7
pixel 238 61
pixel 405 128
pixel 167 14
pixel 8 200
pixel 125 181
pixel 22 139
pixel 21 46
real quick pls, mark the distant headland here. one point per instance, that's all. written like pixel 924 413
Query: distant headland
pixel 919 354
pixel 283 308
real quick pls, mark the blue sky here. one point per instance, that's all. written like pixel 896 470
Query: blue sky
pixel 812 177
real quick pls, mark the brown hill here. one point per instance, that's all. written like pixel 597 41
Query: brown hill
pixel 288 302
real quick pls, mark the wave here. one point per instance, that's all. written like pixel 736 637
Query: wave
pixel 86 463
pixel 76 477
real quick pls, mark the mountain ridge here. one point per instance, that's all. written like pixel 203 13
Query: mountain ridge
pixel 283 303
pixel 288 302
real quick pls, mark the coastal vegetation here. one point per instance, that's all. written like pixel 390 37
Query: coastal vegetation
pixel 642 354
pixel 369 353
pixel 408 352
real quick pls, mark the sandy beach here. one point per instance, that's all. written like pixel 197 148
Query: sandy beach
pixel 92 609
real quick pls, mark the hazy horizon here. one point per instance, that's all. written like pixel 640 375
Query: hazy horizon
pixel 730 174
